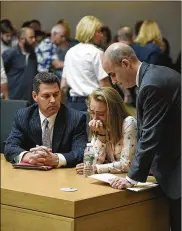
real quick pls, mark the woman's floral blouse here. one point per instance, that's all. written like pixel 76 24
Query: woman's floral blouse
pixel 118 158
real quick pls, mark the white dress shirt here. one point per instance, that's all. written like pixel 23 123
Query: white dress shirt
pixel 3 73
pixel 51 119
pixel 137 75
pixel 137 83
pixel 83 69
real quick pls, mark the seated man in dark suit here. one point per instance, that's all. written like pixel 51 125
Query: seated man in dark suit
pixel 47 133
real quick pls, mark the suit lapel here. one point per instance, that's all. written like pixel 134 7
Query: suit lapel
pixel 35 127
pixel 142 71
pixel 59 128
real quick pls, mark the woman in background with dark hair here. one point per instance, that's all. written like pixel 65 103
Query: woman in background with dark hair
pixel 137 27
pixel 107 37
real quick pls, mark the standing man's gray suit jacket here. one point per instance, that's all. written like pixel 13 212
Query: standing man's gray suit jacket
pixel 159 128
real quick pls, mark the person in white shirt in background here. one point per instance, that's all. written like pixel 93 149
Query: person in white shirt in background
pixel 113 132
pixel 83 72
pixel 4 82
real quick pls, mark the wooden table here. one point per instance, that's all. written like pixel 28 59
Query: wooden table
pixel 32 201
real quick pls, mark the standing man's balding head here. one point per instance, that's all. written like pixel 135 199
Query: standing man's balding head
pixel 121 62
pixel 118 51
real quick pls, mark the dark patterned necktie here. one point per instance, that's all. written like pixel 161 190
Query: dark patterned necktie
pixel 46 134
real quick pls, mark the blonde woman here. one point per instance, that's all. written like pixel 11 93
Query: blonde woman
pixel 151 42
pixel 113 132
pixel 83 70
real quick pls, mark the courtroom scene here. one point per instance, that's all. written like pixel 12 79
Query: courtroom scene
pixel 90 103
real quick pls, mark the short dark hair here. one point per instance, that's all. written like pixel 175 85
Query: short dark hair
pixel 46 78
pixel 35 21
pixel 40 33
pixel 26 24
pixel 108 33
pixel 6 26
pixel 138 24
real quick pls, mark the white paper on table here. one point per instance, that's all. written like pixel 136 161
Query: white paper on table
pixel 142 186
pixel 105 177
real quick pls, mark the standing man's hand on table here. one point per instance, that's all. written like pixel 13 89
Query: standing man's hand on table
pixel 120 183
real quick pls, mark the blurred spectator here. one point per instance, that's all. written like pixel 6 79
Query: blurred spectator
pixel 136 30
pixel 164 58
pixel 47 57
pixel 69 38
pixel 35 25
pixel 64 45
pixel 26 24
pixel 107 37
pixel 21 66
pixel 83 70
pixel 178 63
pixel 150 37
pixel 160 58
pixel 39 36
pixel 166 47
pixel 125 35
pixel 4 82
pixel 137 27
pixel 7 31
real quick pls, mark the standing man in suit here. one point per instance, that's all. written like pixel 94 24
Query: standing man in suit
pixel 47 133
pixel 159 123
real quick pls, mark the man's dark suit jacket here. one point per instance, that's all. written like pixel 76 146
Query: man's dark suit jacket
pixel 69 134
pixel 159 128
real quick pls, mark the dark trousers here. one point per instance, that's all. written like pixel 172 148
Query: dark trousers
pixel 175 214
pixel 77 103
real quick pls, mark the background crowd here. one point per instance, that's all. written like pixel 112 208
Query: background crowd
pixel 30 50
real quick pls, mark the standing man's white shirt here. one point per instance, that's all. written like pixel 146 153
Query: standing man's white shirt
pixel 137 83
pixel 83 69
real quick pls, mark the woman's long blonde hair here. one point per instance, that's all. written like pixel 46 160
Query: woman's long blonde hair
pixel 86 29
pixel 150 32
pixel 116 111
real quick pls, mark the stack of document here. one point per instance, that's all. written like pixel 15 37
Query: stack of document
pixel 106 177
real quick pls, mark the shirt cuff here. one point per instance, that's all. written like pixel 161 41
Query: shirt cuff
pixel 102 168
pixel 62 160
pixel 19 157
pixel 131 181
